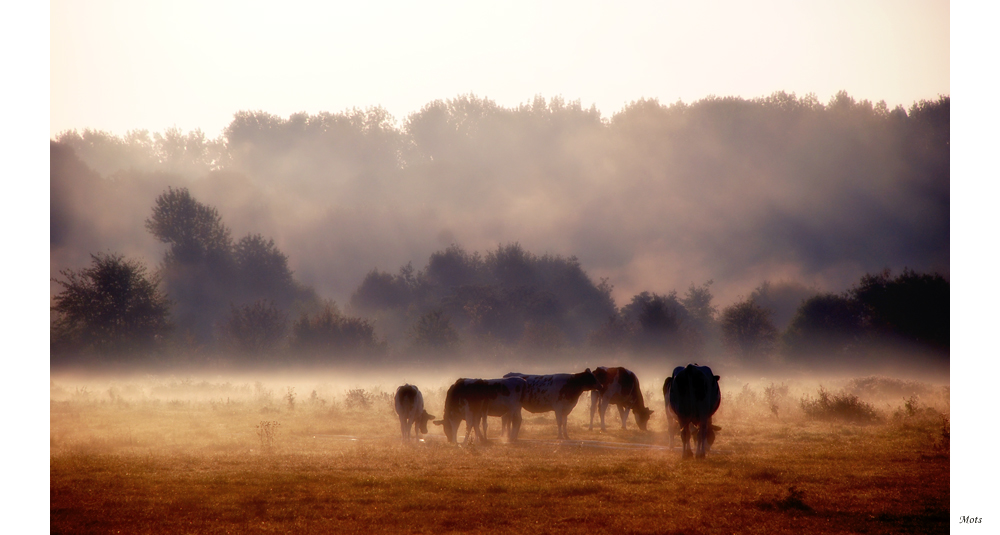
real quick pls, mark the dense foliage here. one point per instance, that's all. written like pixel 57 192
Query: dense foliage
pixel 113 307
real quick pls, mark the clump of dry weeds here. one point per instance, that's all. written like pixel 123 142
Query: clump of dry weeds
pixel 842 406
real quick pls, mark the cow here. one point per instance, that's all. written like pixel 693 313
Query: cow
pixel 672 426
pixel 505 402
pixel 619 387
pixel 557 392
pixel 694 396
pixel 410 408
pixel 473 400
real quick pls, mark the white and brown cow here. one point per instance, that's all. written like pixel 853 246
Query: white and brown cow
pixel 410 408
pixel 557 392
pixel 473 400
pixel 619 387
pixel 694 396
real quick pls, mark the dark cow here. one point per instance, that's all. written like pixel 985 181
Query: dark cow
pixel 672 426
pixel 557 392
pixel 473 399
pixel 619 387
pixel 507 405
pixel 694 396
pixel 410 408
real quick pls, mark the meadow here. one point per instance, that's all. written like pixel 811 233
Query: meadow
pixel 309 454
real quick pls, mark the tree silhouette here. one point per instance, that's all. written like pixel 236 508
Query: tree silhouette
pixel 252 330
pixel 112 307
pixel 433 331
pixel 825 326
pixel 194 230
pixel 747 330
pixel 263 269
pixel 911 308
pixel 330 334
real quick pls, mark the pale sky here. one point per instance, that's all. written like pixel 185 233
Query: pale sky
pixel 124 65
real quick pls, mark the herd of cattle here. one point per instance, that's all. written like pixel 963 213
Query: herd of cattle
pixel 691 396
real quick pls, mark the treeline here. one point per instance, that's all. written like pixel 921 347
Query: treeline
pixel 722 189
pixel 726 186
pixel 212 297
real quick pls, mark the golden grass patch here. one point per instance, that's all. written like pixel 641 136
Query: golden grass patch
pixel 149 459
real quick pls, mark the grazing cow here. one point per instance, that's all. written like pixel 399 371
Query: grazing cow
pixel 410 408
pixel 694 397
pixel 558 392
pixel 672 426
pixel 619 387
pixel 473 399
pixel 505 402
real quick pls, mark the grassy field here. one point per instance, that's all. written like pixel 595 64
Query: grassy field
pixel 169 455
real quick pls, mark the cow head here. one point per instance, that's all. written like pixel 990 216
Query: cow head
pixel 642 415
pixel 450 428
pixel 589 380
pixel 422 421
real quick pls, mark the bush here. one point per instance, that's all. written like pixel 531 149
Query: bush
pixel 846 407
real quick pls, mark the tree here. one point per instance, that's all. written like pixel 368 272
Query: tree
pixel 660 323
pixel 825 325
pixel 329 333
pixel 193 230
pixel 747 330
pixel 910 308
pixel 112 307
pixel 433 331
pixel 254 329
pixel 263 269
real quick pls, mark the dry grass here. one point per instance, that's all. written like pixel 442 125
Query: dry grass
pixel 157 456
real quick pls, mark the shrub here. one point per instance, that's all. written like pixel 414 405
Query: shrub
pixel 844 406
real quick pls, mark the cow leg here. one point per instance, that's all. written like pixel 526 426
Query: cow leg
pixel 486 423
pixel 594 400
pixel 671 429
pixel 685 440
pixel 704 432
pixel 505 425
pixel 480 436
pixel 404 427
pixel 604 410
pixel 514 421
pixel 623 414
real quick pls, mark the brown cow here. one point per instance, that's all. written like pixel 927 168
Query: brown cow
pixel 619 387
pixel 473 400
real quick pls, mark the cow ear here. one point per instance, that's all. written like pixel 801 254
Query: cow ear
pixel 587 371
pixel 438 422
pixel 716 377
pixel 429 416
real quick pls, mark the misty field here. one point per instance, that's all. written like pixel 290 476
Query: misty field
pixel 321 454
